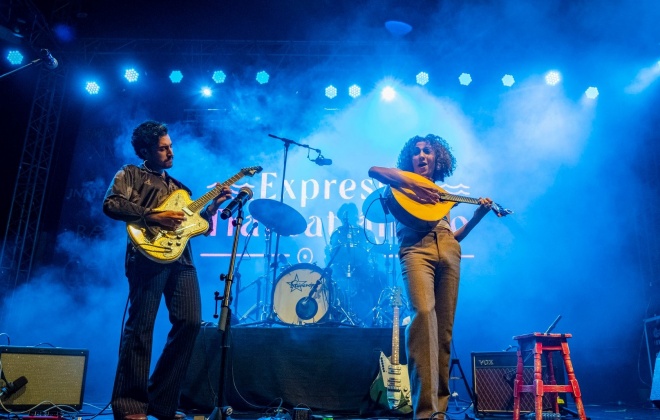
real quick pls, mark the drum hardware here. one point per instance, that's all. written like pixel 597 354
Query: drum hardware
pixel 279 217
pixel 382 312
pixel 376 213
pixel 307 307
pixel 238 265
pixel 388 250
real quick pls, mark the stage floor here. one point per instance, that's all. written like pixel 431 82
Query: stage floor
pixel 594 412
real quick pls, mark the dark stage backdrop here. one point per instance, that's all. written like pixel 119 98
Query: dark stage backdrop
pixel 326 369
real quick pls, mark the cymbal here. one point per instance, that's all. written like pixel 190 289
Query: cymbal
pixel 385 249
pixel 373 206
pixel 279 217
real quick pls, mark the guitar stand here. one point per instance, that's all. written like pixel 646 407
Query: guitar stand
pixel 457 363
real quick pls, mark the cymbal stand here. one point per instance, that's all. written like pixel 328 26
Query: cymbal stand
pixel 259 307
pixel 222 410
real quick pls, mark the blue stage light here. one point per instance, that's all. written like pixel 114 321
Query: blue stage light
pixel 508 80
pixel 388 93
pixel 422 78
pixel 354 91
pixel 176 76
pixel 263 77
pixel 552 77
pixel 92 88
pixel 15 57
pixel 131 75
pixel 591 92
pixel 207 92
pixel 331 91
pixel 465 79
pixel 219 76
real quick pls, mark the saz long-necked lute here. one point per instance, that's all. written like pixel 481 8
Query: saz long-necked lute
pixel 414 214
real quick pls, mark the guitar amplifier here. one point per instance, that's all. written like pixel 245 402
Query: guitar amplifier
pixel 493 374
pixel 50 374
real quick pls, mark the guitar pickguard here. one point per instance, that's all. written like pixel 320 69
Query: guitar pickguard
pixel 161 245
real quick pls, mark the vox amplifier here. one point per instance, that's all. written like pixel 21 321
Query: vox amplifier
pixel 493 374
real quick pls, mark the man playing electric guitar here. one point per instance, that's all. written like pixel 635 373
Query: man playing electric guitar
pixel 132 197
pixel 430 259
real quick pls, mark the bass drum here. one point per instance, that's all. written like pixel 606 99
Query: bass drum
pixel 291 301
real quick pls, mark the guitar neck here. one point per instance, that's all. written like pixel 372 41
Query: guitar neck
pixel 197 205
pixel 395 336
pixel 459 198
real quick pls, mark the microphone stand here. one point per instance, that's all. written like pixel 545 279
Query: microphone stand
pixel 35 61
pixel 287 143
pixel 223 410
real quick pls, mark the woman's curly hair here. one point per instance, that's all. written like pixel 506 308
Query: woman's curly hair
pixel 146 136
pixel 445 163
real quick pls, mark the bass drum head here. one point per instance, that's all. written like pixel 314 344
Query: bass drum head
pixel 291 301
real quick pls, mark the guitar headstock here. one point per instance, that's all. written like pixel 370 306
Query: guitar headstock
pixel 252 170
pixel 500 211
pixel 396 297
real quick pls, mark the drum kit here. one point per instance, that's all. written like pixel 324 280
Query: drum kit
pixel 348 290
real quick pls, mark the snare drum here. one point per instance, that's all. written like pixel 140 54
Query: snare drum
pixel 291 300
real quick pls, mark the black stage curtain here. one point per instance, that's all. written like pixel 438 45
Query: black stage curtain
pixel 322 368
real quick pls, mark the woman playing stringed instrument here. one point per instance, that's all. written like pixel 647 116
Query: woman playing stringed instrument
pixel 430 257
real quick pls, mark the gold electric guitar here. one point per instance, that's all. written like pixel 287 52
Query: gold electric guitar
pixel 392 386
pixel 165 246
pixel 418 215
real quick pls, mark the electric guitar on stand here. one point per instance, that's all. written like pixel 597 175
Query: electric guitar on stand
pixel 165 246
pixel 392 386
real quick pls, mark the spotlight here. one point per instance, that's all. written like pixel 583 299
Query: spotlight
pixel 131 75
pixel 176 76
pixel 219 76
pixel 397 28
pixel 15 57
pixel 465 79
pixel 207 92
pixel 508 80
pixel 92 88
pixel 552 77
pixel 331 91
pixel 422 78
pixel 388 93
pixel 591 92
pixel 354 91
pixel 262 77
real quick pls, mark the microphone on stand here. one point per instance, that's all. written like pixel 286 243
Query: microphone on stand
pixel 244 195
pixel 49 61
pixel 13 387
pixel 253 227
pixel 321 161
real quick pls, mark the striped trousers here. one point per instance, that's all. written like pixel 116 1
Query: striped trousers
pixel 134 391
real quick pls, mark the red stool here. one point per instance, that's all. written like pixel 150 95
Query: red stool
pixel 544 344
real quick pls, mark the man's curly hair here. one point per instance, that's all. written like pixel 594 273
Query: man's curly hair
pixel 146 135
pixel 445 163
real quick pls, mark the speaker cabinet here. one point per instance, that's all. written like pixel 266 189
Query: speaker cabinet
pixel 55 375
pixel 652 333
pixel 655 386
pixel 493 374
